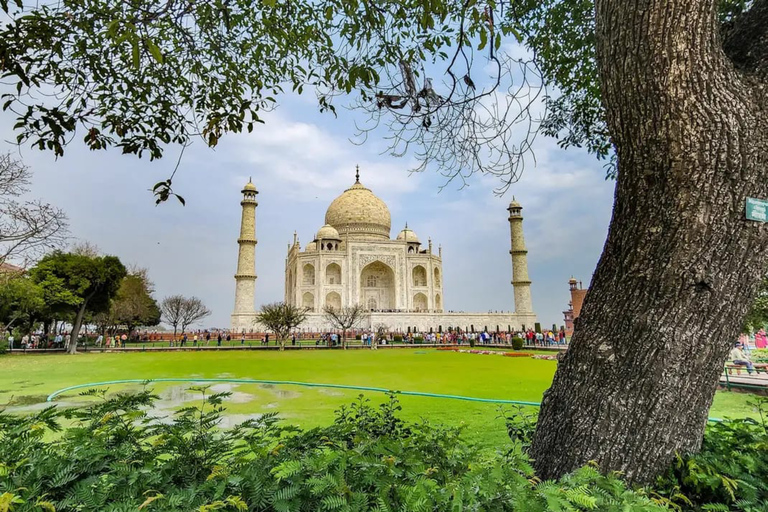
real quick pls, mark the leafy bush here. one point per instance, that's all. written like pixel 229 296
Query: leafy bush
pixel 418 339
pixel 517 343
pixel 114 457
pixel 397 338
pixel 729 473
pixel 358 337
pixel 760 355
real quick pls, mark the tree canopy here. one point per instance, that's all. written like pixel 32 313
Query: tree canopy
pixel 22 303
pixel 74 284
pixel 281 318
pixel 133 305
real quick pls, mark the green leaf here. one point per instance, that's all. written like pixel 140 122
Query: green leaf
pixel 135 51
pixel 155 51
pixel 483 39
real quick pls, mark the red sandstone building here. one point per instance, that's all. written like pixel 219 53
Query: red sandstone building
pixel 574 305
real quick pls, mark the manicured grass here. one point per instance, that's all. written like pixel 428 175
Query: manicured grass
pixel 26 380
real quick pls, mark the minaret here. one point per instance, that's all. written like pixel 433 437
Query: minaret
pixel 521 283
pixel 245 278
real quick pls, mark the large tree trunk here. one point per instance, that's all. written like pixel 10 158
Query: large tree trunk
pixel 681 264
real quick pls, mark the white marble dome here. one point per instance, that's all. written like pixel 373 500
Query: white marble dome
pixel 327 232
pixel 357 213
pixel 407 235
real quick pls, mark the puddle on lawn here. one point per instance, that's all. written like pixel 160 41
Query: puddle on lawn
pixel 281 393
pixel 170 399
pixel 232 420
pixel 21 400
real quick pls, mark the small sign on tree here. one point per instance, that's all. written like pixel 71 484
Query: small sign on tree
pixel 757 209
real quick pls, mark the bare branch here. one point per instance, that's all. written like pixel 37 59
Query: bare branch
pixel 28 229
pixel 344 318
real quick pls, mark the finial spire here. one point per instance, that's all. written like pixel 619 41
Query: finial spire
pixel 249 179
pixel 357 174
pixel 406 225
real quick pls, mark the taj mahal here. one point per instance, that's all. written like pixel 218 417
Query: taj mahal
pixel 354 260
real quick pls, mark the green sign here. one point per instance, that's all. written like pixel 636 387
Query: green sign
pixel 757 209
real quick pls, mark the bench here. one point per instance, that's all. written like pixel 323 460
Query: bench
pixel 759 367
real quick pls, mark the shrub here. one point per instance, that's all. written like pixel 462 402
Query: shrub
pixel 418 339
pixel 517 343
pixel 729 471
pixel 397 338
pixel 114 457
pixel 760 355
pixel 358 337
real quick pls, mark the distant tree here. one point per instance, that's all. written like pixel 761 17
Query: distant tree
pixel 281 318
pixel 171 309
pixel 27 228
pixel 193 310
pixel 381 334
pixel 757 317
pixel 76 284
pixel 21 303
pixel 344 318
pixel 85 248
pixel 133 305
pixel 178 310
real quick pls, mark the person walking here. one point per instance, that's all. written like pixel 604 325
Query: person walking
pixel 218 339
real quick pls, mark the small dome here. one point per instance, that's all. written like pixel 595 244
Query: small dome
pixel 515 204
pixel 327 232
pixel 311 247
pixel 407 235
pixel 572 280
pixel 357 213
pixel 249 187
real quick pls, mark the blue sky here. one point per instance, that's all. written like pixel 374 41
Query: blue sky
pixel 300 161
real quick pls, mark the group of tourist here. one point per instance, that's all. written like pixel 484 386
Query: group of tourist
pixel 39 341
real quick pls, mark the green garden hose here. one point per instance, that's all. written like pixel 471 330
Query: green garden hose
pixel 305 384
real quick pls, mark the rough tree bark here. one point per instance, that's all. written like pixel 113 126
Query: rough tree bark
pixel 681 264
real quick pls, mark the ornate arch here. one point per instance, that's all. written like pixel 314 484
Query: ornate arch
pixel 419 276
pixel 308 275
pixel 308 301
pixel 377 285
pixel 333 299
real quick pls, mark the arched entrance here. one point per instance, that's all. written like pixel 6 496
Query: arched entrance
pixel 420 302
pixel 377 286
pixel 308 301
pixel 333 299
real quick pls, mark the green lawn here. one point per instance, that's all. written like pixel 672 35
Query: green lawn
pixel 27 380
